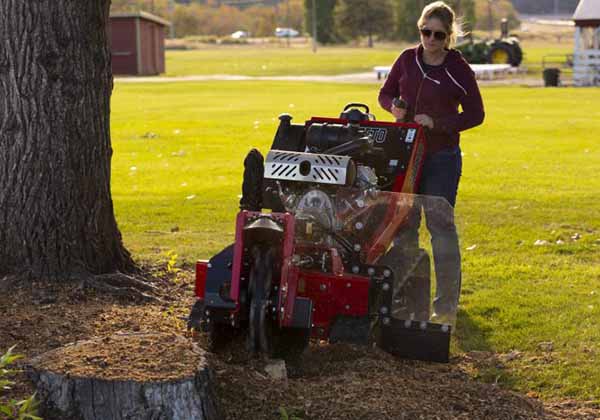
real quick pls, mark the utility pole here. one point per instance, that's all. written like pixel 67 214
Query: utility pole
pixel 314 26
pixel 555 8
pixel 287 20
pixel 171 9
pixel 490 19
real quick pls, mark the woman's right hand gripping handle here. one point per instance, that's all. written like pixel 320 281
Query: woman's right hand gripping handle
pixel 399 108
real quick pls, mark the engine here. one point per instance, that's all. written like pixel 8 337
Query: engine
pixel 310 165
pixel 308 186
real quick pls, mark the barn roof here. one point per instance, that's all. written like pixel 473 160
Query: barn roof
pixel 143 15
pixel 588 11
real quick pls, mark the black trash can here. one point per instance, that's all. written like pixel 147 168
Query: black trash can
pixel 551 77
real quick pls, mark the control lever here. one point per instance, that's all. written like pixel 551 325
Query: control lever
pixel 401 104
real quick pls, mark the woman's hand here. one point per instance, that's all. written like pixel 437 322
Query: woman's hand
pixel 425 120
pixel 399 113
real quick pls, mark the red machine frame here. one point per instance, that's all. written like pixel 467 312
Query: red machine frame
pixel 332 294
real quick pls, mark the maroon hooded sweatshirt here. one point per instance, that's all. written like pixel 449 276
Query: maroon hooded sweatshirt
pixel 436 91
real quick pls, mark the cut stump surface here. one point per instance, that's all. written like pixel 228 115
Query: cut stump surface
pixel 126 376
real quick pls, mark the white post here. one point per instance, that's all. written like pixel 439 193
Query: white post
pixel 595 59
pixel 576 57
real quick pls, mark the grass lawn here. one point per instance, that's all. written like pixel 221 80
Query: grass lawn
pixel 530 173
pixel 280 61
pixel 535 51
pixel 277 60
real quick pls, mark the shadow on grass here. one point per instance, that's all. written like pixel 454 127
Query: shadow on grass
pixel 471 335
pixel 489 366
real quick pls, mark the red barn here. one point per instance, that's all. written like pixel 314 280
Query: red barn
pixel 137 43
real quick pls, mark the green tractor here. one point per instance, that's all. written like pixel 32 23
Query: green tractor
pixel 503 50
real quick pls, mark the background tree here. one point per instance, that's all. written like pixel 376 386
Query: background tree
pixel 407 13
pixel 56 210
pixel 500 9
pixel 294 17
pixel 158 7
pixel 465 10
pixel 472 14
pixel 188 20
pixel 262 21
pixel 364 17
pixel 469 15
pixel 326 33
pixel 545 6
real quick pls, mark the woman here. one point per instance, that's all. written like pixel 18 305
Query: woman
pixel 433 80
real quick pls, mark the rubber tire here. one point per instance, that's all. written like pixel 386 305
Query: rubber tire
pixel 504 47
pixel 517 55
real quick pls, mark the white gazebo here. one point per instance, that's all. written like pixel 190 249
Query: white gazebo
pixel 586 58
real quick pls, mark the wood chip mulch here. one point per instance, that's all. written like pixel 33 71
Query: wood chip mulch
pixel 330 382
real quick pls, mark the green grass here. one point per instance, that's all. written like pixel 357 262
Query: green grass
pixel 276 61
pixel 535 51
pixel 280 61
pixel 530 173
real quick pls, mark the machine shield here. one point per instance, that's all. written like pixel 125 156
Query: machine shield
pixel 380 235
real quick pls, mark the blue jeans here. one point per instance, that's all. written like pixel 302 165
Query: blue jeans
pixel 440 177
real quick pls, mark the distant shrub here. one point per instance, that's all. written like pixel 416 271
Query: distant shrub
pixel 232 41
pixel 202 39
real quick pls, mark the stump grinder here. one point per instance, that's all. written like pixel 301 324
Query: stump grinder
pixel 318 250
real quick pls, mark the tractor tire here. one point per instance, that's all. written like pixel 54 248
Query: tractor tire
pixel 500 53
pixel 505 52
pixel 517 55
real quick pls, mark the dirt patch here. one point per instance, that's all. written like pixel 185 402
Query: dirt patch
pixel 329 382
pixel 348 382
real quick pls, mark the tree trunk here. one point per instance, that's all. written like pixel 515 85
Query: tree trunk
pixel 56 210
pixel 101 379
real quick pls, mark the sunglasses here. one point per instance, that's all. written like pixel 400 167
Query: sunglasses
pixel 439 35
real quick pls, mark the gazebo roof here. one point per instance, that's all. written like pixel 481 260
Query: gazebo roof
pixel 587 13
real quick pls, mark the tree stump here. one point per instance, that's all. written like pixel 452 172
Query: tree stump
pixel 126 376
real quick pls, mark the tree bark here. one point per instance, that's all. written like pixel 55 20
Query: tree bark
pixel 56 211
pixel 97 399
